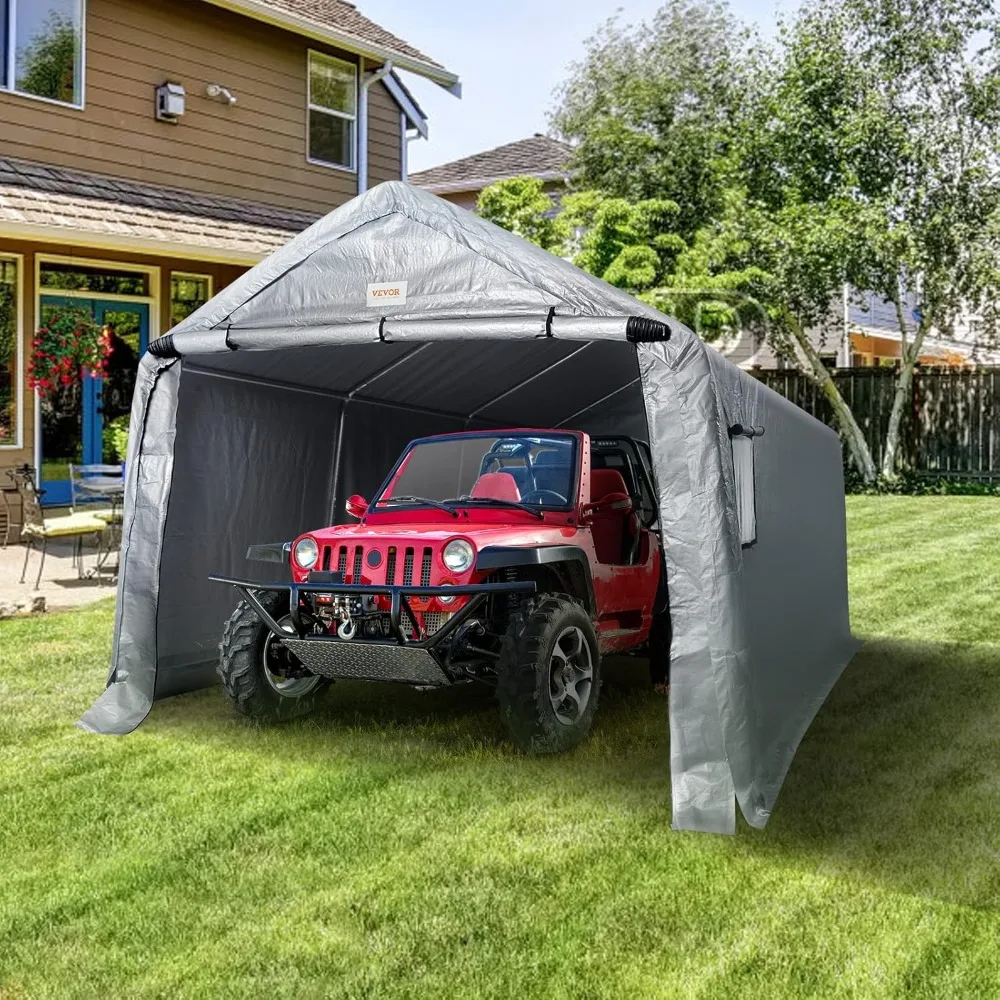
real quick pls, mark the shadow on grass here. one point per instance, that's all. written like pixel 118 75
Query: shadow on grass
pixel 898 777
pixel 447 722
pixel 896 780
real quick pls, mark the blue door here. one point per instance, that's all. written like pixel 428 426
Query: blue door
pixel 75 417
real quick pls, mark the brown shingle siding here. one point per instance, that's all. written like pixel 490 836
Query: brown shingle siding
pixel 55 198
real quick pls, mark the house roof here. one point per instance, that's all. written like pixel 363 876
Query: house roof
pixel 339 22
pixel 539 156
pixel 46 202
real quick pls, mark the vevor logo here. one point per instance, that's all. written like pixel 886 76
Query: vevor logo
pixel 382 293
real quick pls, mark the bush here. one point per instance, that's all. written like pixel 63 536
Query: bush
pixel 916 485
pixel 116 438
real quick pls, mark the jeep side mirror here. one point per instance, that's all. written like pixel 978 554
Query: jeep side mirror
pixel 613 503
pixel 356 506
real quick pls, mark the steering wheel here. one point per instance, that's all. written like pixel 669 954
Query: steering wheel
pixel 544 496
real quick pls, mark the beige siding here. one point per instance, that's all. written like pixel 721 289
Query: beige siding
pixel 254 150
pixel 384 137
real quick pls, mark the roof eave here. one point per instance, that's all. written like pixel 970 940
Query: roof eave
pixel 313 29
pixel 478 183
pixel 410 108
pixel 71 236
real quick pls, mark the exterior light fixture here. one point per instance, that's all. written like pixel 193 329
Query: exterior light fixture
pixel 169 102
pixel 219 93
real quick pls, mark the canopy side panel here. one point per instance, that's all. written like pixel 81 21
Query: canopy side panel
pixel 149 467
pixel 254 464
pixel 684 423
pixel 793 591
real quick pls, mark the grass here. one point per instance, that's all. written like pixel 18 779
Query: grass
pixel 395 846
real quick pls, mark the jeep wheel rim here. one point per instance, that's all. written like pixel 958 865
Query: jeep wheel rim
pixel 276 655
pixel 571 675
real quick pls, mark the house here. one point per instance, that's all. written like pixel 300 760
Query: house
pixel 461 181
pixel 150 153
pixel 863 331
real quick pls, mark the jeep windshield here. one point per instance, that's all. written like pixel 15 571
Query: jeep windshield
pixel 536 472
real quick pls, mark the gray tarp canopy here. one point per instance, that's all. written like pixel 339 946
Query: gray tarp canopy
pixel 261 413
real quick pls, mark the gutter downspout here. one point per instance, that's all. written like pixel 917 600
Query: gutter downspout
pixel 406 137
pixel 366 83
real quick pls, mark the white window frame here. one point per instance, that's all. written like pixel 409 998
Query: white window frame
pixel 19 379
pixel 310 108
pixel 7 86
pixel 187 274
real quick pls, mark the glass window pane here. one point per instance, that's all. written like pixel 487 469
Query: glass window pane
pixel 47 49
pixel 80 278
pixel 332 84
pixel 188 292
pixel 331 139
pixel 4 27
pixel 9 374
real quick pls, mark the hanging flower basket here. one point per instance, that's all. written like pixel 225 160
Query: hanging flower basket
pixel 68 346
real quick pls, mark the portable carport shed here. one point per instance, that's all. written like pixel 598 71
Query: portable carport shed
pixel 256 418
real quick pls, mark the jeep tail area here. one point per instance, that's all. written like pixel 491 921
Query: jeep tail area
pixel 514 558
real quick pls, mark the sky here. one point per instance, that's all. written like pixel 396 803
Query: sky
pixel 510 56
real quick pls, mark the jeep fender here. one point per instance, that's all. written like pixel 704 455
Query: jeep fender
pixel 571 557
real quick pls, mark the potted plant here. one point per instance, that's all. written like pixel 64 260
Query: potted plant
pixel 70 344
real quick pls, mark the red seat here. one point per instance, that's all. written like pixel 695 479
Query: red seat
pixel 498 485
pixel 610 528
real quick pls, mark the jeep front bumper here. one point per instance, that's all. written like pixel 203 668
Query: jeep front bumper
pixel 397 658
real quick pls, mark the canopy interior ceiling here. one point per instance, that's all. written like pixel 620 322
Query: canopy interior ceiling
pixel 259 415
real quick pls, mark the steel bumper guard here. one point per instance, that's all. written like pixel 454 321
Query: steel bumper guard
pixel 393 659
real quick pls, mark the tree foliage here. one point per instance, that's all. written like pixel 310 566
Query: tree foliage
pixel 742 187
pixel 651 108
pixel 521 205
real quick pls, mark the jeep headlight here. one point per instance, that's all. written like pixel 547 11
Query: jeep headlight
pixel 458 555
pixel 305 553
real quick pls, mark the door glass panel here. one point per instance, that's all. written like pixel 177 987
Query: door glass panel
pixel 118 385
pixel 62 419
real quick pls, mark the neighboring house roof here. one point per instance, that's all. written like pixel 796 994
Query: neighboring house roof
pixel 539 156
pixel 38 201
pixel 341 23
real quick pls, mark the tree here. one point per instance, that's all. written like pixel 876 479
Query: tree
pixel 520 205
pixel 629 245
pixel 875 145
pixel 650 108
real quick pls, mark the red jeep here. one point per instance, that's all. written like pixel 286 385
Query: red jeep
pixel 514 558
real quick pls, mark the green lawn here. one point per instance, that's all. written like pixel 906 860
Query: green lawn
pixel 395 846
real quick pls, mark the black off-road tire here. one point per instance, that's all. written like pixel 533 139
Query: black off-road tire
pixel 523 677
pixel 659 650
pixel 241 665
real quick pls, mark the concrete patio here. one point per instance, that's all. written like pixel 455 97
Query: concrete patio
pixel 60 585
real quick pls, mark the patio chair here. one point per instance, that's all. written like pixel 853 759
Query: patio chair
pixel 38 528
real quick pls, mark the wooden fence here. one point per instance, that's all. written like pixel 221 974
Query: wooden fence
pixel 951 426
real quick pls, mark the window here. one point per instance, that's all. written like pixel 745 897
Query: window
pixel 41 48
pixel 187 293
pixel 333 108
pixel 100 280
pixel 10 369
